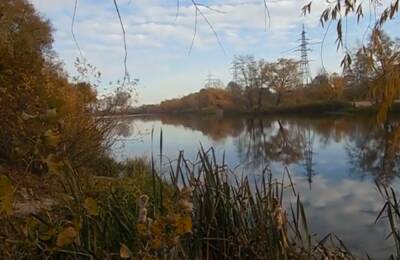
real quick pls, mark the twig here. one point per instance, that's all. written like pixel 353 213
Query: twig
pixel 72 30
pixel 198 10
pixel 126 76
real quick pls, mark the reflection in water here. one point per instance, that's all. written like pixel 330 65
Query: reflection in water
pixel 270 141
pixel 376 152
pixel 333 161
pixel 308 153
pixel 124 129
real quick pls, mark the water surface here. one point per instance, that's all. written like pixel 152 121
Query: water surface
pixel 334 162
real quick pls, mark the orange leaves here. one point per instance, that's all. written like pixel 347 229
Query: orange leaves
pixel 125 252
pixel 164 230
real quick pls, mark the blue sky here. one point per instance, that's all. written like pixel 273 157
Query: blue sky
pixel 158 40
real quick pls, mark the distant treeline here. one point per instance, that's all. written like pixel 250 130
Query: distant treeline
pixel 261 86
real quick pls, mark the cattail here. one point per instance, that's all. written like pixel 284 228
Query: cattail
pixel 185 205
pixel 143 200
pixel 142 215
pixel 280 218
pixel 187 192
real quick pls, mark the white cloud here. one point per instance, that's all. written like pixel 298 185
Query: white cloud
pixel 155 33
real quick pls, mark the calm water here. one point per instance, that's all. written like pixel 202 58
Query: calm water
pixel 333 161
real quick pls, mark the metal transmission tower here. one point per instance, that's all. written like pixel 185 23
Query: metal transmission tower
pixel 304 61
pixel 212 82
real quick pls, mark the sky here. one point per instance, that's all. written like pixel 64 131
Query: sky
pixel 159 37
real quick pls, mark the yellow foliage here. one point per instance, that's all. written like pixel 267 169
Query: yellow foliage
pixel 67 236
pixel 183 225
pixel 91 206
pixel 6 195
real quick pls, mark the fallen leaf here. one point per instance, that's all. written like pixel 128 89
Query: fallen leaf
pixel 66 237
pixel 125 252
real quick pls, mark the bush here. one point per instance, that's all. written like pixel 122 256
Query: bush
pixel 43 116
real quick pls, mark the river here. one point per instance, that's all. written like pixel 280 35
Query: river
pixel 334 162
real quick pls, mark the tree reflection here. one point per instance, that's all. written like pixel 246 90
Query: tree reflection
pixel 215 127
pixel 265 141
pixel 376 152
pixel 124 129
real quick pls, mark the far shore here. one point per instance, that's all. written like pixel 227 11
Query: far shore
pixel 326 108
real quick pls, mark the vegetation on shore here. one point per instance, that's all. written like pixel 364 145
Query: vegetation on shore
pixel 258 86
pixel 202 211
pixel 62 196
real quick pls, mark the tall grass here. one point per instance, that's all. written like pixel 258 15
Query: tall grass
pixel 237 218
pixel 201 211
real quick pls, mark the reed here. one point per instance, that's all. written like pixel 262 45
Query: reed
pixel 183 210
pixel 390 213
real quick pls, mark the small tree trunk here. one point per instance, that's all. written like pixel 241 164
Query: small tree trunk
pixel 260 98
pixel 278 100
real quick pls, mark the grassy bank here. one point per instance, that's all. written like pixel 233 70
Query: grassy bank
pixel 193 211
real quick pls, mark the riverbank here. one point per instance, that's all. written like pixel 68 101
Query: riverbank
pixel 319 108
pixel 138 215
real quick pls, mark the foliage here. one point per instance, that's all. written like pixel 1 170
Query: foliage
pixel 208 100
pixel 378 56
pixel 44 117
pixel 282 76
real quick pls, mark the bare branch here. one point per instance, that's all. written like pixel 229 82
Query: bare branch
pixel 126 76
pixel 72 30
pixel 199 11
pixel 267 15
pixel 195 32
pixel 178 4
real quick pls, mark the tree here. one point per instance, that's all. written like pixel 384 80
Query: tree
pixel 43 116
pixel 338 84
pixel 247 72
pixel 25 44
pixel 282 76
pixel 236 93
pixel 375 70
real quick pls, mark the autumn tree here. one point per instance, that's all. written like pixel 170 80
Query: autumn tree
pixel 236 92
pixel 44 118
pixel 375 68
pixel 25 44
pixel 282 76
